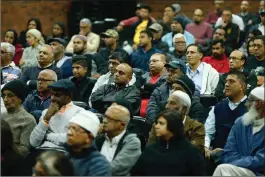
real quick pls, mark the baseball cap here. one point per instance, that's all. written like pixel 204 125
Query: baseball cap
pixel 177 64
pixel 110 33
pixel 156 27
pixel 60 40
pixel 63 84
pixel 177 7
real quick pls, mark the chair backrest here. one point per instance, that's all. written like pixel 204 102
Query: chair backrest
pixel 208 100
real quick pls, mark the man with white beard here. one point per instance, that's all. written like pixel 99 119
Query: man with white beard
pixel 243 153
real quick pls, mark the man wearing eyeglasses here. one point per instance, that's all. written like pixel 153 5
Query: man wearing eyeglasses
pixel 40 99
pixel 9 70
pixel 120 148
pixel 105 95
pixel 237 62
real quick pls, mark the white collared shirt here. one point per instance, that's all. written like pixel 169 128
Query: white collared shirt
pixel 109 147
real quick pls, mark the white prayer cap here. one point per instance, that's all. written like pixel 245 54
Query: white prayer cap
pixel 87 120
pixel 258 92
pixel 183 96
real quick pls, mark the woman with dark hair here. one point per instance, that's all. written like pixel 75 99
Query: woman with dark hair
pixel 53 163
pixel 10 160
pixel 250 48
pixel 33 23
pixel 11 37
pixel 172 154
pixel 59 31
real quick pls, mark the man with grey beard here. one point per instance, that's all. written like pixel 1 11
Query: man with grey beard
pixel 243 153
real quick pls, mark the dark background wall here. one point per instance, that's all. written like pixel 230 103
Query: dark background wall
pixel 15 14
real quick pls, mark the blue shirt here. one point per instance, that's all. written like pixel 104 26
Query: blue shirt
pixel 168 38
pixel 140 59
pixel 210 122
pixel 196 76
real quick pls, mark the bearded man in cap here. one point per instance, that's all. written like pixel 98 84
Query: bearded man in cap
pixel 244 150
pixel 85 157
pixel 50 133
pixel 20 121
pixel 111 38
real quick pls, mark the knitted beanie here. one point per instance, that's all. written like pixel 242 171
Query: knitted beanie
pixel 17 87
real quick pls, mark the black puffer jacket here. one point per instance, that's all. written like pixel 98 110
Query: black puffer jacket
pixel 106 94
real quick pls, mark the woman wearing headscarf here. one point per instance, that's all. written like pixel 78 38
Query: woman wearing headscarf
pixel 31 53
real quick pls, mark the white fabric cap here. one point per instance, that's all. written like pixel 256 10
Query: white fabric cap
pixel 36 33
pixel 258 92
pixel 87 120
pixel 183 96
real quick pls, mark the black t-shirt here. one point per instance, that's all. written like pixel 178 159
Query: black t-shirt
pixel 253 63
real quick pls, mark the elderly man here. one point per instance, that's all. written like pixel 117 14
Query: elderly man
pixel 160 94
pixel 202 74
pixel 121 148
pixel 45 61
pixel 193 130
pixel 9 70
pixel 104 96
pixel 243 153
pixel 50 133
pixel 19 120
pixel 180 46
pixel 237 61
pixel 87 161
pixel 111 38
pixel 93 40
pixel 201 30
pixel 40 99
pixel 177 26
pixel 60 60
pixel 96 64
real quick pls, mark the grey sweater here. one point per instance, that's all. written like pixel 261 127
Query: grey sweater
pixel 21 124
pixel 54 135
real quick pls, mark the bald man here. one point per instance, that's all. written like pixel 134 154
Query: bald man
pixel 40 99
pixel 152 79
pixel 45 61
pixel 105 95
pixel 120 148
pixel 201 30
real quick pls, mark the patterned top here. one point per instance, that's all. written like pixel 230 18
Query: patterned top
pixel 10 72
pixel 30 57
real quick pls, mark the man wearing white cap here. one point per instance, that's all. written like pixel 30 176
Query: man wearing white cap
pixel 193 130
pixel 86 159
pixel 244 150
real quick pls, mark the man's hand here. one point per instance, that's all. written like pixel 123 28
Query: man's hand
pixel 52 110
pixel 82 33
pixel 119 28
pixel 224 23
pixel 134 46
pixel 166 19
pixel 217 150
pixel 207 152
pixel 21 62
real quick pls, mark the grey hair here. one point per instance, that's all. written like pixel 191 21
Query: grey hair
pixel 51 72
pixel 86 20
pixel 9 47
pixel 179 35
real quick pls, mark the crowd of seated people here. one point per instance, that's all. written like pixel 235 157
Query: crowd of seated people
pixel 184 97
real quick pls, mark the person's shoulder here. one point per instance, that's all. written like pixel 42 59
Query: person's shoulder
pixel 94 35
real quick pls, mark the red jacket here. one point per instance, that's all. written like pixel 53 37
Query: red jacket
pixel 18 54
pixel 221 65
